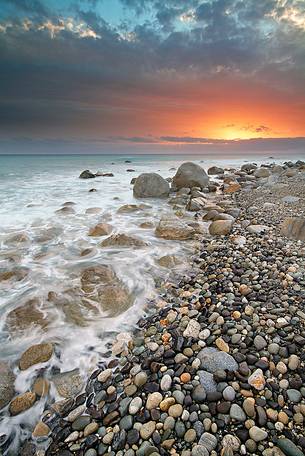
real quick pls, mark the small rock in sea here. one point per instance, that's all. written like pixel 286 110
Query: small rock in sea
pixel 86 174
pixel 69 383
pixel 21 403
pixel 36 354
pixel 150 185
pixel 41 387
pixel 7 381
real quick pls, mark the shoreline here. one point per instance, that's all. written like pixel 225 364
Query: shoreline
pixel 167 382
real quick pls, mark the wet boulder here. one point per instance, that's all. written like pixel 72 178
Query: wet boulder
pixel 190 175
pixel 7 380
pixel 87 174
pixel 25 317
pixel 150 185
pixel 262 172
pixel 220 227
pixel 68 384
pixel 215 170
pixel 122 240
pixel 101 229
pixel 35 354
pixel 102 286
pixel 174 229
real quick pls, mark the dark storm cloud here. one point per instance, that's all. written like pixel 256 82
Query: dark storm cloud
pixel 33 7
pixel 55 70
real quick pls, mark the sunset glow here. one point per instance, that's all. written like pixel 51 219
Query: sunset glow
pixel 128 71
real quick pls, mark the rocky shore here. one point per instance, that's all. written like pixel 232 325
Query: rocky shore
pixel 217 365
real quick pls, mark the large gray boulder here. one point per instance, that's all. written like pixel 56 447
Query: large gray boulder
pixel 190 175
pixel 150 185
pixel 7 380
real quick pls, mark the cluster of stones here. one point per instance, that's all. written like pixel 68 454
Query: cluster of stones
pixel 219 367
pixel 218 370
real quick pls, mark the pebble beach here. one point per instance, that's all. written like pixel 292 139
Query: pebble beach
pixel 216 366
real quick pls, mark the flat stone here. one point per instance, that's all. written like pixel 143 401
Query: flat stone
pixel 75 413
pixel 91 428
pixel 22 403
pixel 289 448
pixel 39 353
pixel 237 413
pixel 209 441
pixel 175 410
pixel 68 384
pixel 140 379
pixel 257 380
pixel 192 329
pixel 81 422
pixel 199 394
pixel 229 394
pixel 257 434
pixel 153 400
pixel 166 382
pixel 7 380
pixel 41 387
pixel 294 395
pixel 41 430
pixel 231 441
pixel 212 360
pixel 259 342
pixel 104 375
pixel 207 381
pixel 199 450
pixel 222 345
pixel 249 406
pixel 258 229
pixel 147 429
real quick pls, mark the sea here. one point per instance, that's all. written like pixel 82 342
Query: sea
pixel 46 247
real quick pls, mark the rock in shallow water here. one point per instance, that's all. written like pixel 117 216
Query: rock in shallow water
pixel 39 353
pixel 7 380
pixel 22 403
pixel 69 384
pixel 150 185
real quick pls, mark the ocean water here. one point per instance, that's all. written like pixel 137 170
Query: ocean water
pixel 47 247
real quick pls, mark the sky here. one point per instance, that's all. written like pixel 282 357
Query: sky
pixel 152 73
